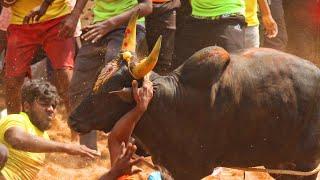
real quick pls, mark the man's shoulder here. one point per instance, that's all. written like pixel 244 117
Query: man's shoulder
pixel 10 117
pixel 13 120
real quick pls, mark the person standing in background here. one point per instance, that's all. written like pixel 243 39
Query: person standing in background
pixel 219 22
pixel 281 40
pixel 252 37
pixel 162 21
pixel 24 36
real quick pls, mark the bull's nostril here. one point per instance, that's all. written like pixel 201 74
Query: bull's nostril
pixel 76 126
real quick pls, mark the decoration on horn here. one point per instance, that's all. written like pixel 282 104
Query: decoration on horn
pixel 129 40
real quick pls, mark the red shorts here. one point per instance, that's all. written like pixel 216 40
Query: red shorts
pixel 23 41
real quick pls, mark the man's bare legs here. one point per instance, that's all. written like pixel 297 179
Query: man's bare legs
pixel 62 79
pixel 14 84
pixel 13 94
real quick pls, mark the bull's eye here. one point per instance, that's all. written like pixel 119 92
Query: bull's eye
pixel 105 74
pixel 110 69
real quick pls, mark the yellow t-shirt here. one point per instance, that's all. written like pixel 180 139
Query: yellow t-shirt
pixel 22 7
pixel 251 12
pixel 21 165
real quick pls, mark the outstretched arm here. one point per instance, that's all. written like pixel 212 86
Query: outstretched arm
pixel 123 129
pixel 21 140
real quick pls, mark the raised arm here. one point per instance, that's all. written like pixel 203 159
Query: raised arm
pixel 21 140
pixel 99 29
pixel 123 129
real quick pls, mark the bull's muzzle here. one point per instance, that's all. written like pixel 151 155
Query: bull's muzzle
pixel 78 127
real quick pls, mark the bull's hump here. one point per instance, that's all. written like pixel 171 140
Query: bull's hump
pixel 205 67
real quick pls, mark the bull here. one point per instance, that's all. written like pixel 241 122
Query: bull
pixel 252 107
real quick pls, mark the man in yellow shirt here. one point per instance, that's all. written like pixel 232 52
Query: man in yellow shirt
pixel 25 134
pixel 23 40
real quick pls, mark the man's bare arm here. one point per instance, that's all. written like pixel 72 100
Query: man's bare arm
pixel 21 140
pixel 78 8
pixel 37 12
pixel 69 24
pixel 99 29
pixel 123 129
pixel 267 19
pixel 144 7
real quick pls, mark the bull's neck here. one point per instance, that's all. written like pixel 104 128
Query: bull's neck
pixel 161 110
pixel 167 88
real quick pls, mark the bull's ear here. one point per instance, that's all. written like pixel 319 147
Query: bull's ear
pixel 125 94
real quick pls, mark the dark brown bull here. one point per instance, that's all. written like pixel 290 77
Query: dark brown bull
pixel 253 107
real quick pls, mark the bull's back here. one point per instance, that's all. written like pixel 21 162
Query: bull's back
pixel 268 100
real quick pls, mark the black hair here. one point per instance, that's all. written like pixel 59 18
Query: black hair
pixel 39 89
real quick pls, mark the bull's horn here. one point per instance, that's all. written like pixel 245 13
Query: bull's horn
pixel 143 67
pixel 129 40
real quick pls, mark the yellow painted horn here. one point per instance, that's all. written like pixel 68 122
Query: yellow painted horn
pixel 129 40
pixel 141 68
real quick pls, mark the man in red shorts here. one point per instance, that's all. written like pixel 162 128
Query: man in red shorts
pixel 23 40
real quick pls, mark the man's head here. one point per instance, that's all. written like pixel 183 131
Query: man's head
pixel 39 101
